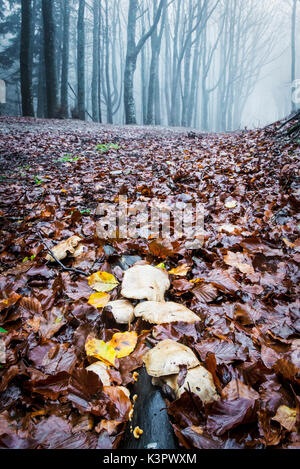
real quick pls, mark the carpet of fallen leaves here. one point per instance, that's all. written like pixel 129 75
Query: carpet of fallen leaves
pixel 52 178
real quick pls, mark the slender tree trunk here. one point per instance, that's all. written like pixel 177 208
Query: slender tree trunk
pixel 65 61
pixel 26 59
pixel 293 70
pixel 107 69
pixel 99 61
pixel 50 60
pixel 81 60
pixel 133 51
pixel 152 85
pixel 95 77
pixel 157 101
pixel 130 64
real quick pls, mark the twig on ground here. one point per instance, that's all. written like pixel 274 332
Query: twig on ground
pixel 69 269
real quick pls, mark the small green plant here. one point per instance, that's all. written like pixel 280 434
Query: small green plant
pixel 27 258
pixel 68 158
pixel 105 147
pixel 85 210
pixel 38 181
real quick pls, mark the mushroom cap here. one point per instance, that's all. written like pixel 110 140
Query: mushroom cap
pixel 198 380
pixel 61 250
pixel 122 311
pixel 167 356
pixel 145 281
pixel 161 313
pixel 100 369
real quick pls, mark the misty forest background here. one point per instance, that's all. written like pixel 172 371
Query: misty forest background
pixel 209 64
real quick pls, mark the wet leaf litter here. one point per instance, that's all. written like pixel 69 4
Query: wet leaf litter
pixel 229 379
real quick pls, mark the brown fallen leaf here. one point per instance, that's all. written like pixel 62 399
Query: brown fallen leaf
pixel 240 261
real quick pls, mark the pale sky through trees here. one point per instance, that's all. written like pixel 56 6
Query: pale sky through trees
pixel 223 56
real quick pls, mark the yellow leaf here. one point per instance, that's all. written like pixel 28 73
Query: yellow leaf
pixel 99 349
pixel 102 281
pixel 287 417
pixel 181 270
pixel 99 300
pixel 124 343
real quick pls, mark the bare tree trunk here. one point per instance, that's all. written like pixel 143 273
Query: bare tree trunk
pixel 50 59
pixel 80 61
pixel 293 71
pixel 133 51
pixel 26 59
pixel 65 61
pixel 107 68
pixel 153 92
pixel 96 72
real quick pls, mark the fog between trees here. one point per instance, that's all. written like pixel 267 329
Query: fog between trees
pixel 207 64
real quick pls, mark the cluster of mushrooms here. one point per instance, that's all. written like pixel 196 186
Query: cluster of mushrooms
pixel 163 362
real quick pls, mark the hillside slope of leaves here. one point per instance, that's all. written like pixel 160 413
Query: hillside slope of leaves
pixel 243 282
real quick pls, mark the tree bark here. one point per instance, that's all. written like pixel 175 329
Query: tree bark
pixel 50 60
pixel 133 51
pixel 293 69
pixel 65 60
pixel 26 59
pixel 95 77
pixel 81 61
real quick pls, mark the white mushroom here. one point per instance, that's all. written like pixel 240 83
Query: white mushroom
pixel 198 380
pixel 145 282
pixel 125 391
pixel 122 311
pixel 100 369
pixel 167 356
pixel 161 313
pixel 61 250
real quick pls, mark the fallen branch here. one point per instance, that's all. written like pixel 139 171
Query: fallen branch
pixel 294 117
pixel 69 269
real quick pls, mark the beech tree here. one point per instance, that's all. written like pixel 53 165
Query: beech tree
pixel 133 51
pixel 50 59
pixel 26 58
pixel 80 61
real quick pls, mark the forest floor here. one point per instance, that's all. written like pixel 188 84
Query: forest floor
pixel 243 282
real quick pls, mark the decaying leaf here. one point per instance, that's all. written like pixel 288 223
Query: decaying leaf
pixel 7 302
pixel 62 249
pixel 99 300
pixel 240 261
pixel 287 417
pixel 205 292
pixel 124 343
pixel 99 349
pixel 122 311
pixel 102 281
pixel 101 370
pixel 167 356
pixel 145 282
pixel 162 313
pixel 181 270
pixel 237 389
